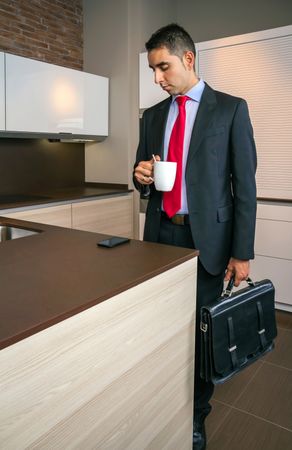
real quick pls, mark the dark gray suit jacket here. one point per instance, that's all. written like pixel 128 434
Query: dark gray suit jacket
pixel 220 177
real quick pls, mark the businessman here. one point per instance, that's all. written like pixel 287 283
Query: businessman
pixel 212 206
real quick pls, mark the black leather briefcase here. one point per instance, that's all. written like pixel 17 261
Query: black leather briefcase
pixel 237 329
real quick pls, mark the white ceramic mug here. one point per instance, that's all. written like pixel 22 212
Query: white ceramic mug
pixel 164 175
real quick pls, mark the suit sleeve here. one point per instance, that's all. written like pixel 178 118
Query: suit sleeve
pixel 243 168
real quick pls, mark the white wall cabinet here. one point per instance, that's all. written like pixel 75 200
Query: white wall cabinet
pixel 45 98
pixel 2 92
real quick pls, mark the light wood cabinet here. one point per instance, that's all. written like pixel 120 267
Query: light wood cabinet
pixel 118 375
pixel 52 215
pixel 109 215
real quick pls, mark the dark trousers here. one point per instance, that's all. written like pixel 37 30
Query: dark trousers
pixel 209 287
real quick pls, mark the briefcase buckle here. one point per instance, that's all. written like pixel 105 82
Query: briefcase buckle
pixel 231 349
pixel 227 292
pixel 204 327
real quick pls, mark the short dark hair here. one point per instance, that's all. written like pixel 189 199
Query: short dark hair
pixel 175 38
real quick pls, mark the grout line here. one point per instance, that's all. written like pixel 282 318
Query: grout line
pixel 285 329
pixel 237 398
pixel 257 417
pixel 277 365
pixel 221 424
pixel 232 407
pixel 248 383
pixel 250 380
pixel 281 258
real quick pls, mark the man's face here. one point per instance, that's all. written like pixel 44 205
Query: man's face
pixel 174 75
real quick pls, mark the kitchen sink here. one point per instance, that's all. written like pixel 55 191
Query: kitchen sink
pixel 8 232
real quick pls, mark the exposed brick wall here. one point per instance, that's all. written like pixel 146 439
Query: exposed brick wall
pixel 47 30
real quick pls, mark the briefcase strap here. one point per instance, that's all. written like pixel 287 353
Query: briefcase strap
pixel 228 291
pixel 232 345
pixel 261 325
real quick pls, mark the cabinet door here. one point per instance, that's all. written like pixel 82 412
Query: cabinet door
pixel 44 98
pixel 2 92
pixel 112 216
pixel 279 271
pixel 53 215
pixel 96 94
pixel 273 248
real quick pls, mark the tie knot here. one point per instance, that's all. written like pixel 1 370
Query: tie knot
pixel 181 100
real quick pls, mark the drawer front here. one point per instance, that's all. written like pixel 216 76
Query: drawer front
pixel 112 216
pixel 53 215
pixel 274 238
pixel 277 270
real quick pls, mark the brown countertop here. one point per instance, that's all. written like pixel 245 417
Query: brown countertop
pixel 275 200
pixel 44 196
pixel 50 276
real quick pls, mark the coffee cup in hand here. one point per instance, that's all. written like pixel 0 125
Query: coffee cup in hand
pixel 164 175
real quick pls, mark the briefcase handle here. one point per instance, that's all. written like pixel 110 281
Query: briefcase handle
pixel 228 290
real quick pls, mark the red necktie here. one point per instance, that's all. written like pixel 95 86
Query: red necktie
pixel 172 199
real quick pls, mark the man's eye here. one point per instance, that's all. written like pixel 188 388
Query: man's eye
pixel 164 68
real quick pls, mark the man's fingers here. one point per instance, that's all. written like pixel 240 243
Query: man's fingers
pixel 228 274
pixel 144 172
pixel 143 179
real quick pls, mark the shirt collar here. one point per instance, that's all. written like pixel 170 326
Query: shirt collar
pixel 195 93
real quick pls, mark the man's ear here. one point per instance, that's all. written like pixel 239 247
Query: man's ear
pixel 189 60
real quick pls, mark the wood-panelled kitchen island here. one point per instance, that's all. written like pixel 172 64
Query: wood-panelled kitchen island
pixel 97 344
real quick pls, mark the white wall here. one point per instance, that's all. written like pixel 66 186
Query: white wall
pixel 212 19
pixel 105 53
pixel 114 35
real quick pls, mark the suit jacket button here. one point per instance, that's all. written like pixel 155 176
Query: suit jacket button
pixel 157 209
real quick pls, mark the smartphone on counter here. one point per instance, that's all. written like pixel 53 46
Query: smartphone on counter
pixel 113 241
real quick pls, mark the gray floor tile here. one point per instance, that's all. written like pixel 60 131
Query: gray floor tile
pixel 241 431
pixel 216 417
pixel 284 319
pixel 269 395
pixel 282 353
pixel 263 390
pixel 229 391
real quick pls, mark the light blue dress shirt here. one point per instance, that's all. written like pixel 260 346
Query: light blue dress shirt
pixel 192 106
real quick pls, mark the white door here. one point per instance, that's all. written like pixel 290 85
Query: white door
pixel 2 92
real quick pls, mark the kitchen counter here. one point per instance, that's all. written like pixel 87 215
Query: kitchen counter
pixel 44 196
pixel 97 344
pixel 59 272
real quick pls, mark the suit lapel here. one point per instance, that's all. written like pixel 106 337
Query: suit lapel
pixel 203 119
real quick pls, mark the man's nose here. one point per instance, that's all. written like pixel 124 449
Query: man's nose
pixel 158 76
